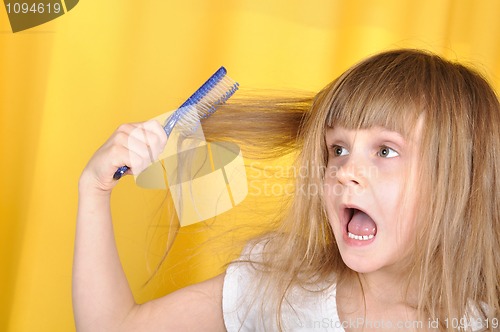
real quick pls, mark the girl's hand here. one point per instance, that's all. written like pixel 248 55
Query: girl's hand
pixel 136 145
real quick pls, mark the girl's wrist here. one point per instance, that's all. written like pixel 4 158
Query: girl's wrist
pixel 88 185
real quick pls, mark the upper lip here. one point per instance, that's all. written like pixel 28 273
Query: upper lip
pixel 345 213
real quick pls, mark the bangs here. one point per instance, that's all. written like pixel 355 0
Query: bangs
pixel 386 91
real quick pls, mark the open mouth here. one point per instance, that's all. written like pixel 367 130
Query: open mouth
pixel 359 225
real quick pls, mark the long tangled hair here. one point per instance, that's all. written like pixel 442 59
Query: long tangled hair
pixel 456 258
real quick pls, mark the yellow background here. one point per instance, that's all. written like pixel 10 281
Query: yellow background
pixel 67 84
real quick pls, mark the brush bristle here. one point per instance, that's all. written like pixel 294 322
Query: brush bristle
pixel 217 96
pixel 203 103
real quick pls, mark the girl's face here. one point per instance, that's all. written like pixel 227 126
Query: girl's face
pixel 370 194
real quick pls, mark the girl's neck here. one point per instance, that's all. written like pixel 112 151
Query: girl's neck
pixel 387 288
pixel 381 296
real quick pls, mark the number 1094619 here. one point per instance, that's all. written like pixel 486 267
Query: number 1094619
pixel 33 8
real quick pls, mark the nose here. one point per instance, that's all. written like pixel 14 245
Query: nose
pixel 352 172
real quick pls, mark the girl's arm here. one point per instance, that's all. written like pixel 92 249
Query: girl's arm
pixel 102 299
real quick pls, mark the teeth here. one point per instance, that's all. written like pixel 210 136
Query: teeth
pixel 360 237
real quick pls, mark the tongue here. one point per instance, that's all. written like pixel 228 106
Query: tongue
pixel 361 224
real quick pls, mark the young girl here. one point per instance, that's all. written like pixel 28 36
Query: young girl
pixel 395 227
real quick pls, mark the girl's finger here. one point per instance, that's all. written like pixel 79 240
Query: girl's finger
pixel 154 137
pixel 148 140
pixel 143 141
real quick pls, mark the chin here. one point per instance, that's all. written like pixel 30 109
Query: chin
pixel 370 264
pixel 361 265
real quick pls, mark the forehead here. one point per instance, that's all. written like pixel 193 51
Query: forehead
pixel 409 136
pixel 375 130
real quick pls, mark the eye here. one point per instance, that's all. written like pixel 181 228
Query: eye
pixel 339 151
pixel 387 152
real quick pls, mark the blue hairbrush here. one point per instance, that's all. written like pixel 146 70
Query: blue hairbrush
pixel 203 103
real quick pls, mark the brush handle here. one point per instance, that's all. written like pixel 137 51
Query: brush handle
pixel 119 172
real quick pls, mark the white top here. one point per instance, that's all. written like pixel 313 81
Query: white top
pixel 246 309
pixel 243 305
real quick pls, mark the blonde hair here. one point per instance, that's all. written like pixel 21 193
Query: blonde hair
pixel 457 260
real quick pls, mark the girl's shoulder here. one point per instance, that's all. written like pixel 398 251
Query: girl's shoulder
pixel 479 318
pixel 249 305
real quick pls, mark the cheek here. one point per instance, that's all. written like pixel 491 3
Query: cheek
pixel 397 206
pixel 331 187
pixel 332 192
pixel 388 194
pixel 391 182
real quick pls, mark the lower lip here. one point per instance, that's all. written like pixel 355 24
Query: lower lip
pixel 357 243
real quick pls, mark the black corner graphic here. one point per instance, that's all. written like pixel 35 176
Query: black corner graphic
pixel 27 14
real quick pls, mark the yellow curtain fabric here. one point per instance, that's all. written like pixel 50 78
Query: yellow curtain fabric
pixel 67 84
